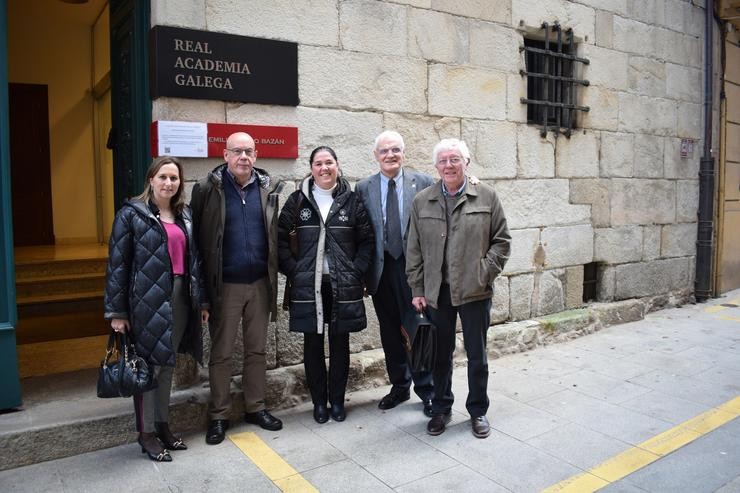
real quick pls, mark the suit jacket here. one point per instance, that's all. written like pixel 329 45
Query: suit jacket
pixel 369 190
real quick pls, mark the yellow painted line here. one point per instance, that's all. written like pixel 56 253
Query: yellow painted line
pixel 625 463
pixel 271 464
pixel 575 484
pixel 648 451
pixel 719 308
pixel 728 317
pixel 732 407
pixel 715 308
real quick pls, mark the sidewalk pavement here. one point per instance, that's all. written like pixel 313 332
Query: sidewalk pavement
pixel 650 405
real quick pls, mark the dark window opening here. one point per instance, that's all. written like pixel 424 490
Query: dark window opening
pixel 590 281
pixel 551 67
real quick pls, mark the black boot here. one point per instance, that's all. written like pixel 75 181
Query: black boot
pixel 337 411
pixel 320 413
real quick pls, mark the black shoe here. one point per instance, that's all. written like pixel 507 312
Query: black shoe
pixel 167 438
pixel 217 431
pixel 151 447
pixel 428 407
pixel 264 419
pixel 320 413
pixel 393 399
pixel 436 425
pixel 481 428
pixel 337 412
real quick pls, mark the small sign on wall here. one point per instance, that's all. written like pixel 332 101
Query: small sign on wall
pixel 687 148
pixel 186 139
pixel 198 139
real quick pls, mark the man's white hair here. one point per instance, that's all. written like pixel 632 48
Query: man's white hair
pixel 451 145
pixel 392 134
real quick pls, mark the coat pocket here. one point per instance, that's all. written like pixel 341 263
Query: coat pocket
pixel 485 269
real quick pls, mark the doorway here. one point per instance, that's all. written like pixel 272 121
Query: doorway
pixel 61 64
pixel 60 272
pixel 30 161
pixel 728 215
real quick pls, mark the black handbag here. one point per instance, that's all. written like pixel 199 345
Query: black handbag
pixel 419 340
pixel 122 372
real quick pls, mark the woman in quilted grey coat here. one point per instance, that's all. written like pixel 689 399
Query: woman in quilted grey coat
pixel 154 292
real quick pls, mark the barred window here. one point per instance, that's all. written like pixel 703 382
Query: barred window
pixel 551 67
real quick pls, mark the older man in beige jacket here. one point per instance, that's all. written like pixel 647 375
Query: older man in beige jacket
pixel 458 243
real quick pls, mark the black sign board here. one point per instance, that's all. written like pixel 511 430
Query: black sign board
pixel 186 63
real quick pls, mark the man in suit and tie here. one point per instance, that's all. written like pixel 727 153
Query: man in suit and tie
pixel 388 195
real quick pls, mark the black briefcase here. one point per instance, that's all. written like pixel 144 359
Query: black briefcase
pixel 419 340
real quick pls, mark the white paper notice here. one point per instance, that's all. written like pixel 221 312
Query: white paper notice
pixel 182 139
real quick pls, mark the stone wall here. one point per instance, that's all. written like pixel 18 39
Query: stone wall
pixel 617 192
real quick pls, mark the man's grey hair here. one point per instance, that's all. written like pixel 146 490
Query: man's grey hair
pixel 388 134
pixel 451 145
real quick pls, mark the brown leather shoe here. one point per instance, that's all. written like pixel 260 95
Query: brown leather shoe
pixel 481 428
pixel 436 425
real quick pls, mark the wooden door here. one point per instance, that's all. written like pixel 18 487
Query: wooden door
pixel 30 164
pixel 728 224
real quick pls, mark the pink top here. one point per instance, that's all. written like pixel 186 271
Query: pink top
pixel 176 247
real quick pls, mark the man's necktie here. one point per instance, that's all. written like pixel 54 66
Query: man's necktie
pixel 394 242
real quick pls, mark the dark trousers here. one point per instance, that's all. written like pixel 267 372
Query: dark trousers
pixel 314 360
pixel 475 317
pixel 154 405
pixel 392 298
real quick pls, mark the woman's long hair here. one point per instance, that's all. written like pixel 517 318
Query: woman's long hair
pixel 177 202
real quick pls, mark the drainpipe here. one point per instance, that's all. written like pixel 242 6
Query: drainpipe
pixel 705 233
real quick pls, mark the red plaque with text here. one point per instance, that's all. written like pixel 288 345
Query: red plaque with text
pixel 270 142
pixel 193 139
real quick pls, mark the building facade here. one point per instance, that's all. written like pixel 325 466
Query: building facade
pixel 600 187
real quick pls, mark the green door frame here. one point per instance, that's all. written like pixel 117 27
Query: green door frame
pixel 130 99
pixel 10 386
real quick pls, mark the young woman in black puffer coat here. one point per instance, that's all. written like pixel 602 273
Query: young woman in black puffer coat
pixel 335 248
pixel 154 292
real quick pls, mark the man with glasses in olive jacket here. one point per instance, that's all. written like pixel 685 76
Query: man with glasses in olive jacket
pixel 235 211
pixel 458 243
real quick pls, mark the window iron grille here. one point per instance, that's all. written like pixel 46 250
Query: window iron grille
pixel 551 84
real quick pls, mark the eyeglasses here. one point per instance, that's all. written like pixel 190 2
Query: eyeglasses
pixel 239 152
pixel 453 160
pixel 386 150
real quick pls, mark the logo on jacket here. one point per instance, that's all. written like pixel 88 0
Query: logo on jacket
pixel 343 215
pixel 305 214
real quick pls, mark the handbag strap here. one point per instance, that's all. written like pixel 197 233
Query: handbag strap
pixel 116 343
pixel 296 211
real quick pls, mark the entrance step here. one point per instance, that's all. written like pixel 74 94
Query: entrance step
pixel 58 326
pixel 49 357
pixel 27 287
pixel 59 296
pixel 37 267
pixel 45 305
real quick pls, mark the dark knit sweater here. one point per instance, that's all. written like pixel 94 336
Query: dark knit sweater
pixel 245 240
